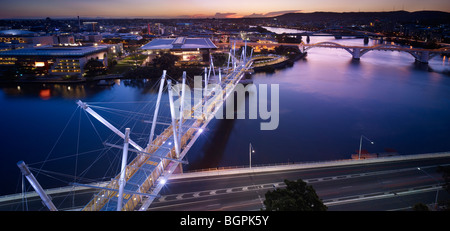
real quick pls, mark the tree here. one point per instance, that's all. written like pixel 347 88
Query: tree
pixel 94 67
pixel 445 171
pixel 220 59
pixel 420 207
pixel 297 196
pixel 285 38
pixel 287 50
pixel 248 51
pixel 165 62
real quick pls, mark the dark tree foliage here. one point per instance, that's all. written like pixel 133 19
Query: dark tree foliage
pixel 297 196
pixel 248 51
pixel 445 171
pixel 94 67
pixel 165 62
pixel 286 50
pixel 420 207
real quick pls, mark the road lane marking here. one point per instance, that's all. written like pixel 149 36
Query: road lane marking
pixel 282 184
pixel 380 195
pixel 345 187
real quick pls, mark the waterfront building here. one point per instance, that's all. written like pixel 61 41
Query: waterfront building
pixel 191 51
pixel 66 61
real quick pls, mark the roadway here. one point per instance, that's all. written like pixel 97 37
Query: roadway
pixel 394 185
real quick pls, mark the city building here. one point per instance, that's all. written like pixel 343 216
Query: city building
pixel 63 39
pixel 115 49
pixel 90 37
pixel 191 51
pixel 121 36
pixel 50 61
pixel 91 26
pixel 21 39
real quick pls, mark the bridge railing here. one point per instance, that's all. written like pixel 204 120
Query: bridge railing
pixel 328 162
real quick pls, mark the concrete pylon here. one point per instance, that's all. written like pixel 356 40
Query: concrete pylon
pixel 356 53
pixel 424 56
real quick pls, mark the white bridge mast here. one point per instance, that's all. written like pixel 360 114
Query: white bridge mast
pixel 37 187
pixel 123 169
pixel 155 115
pixel 172 113
pixel 107 124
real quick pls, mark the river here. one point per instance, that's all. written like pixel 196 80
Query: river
pixel 327 101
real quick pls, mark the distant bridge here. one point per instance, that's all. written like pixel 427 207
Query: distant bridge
pixel 421 55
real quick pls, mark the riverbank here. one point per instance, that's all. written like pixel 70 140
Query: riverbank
pixel 286 63
pixel 61 80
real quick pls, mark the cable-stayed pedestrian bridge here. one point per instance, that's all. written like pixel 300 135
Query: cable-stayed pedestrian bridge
pixel 146 174
pixel 140 180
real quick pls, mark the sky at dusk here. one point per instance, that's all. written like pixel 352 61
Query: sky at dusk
pixel 202 8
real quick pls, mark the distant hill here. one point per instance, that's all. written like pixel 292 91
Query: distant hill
pixel 427 17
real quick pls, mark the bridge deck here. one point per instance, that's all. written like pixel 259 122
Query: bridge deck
pixel 144 172
pixel 337 45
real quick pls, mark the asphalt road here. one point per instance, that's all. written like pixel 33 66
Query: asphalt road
pixel 380 187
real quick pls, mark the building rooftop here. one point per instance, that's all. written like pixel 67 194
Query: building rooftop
pixel 55 51
pixel 18 33
pixel 179 43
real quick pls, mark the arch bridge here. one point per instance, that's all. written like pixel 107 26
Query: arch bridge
pixel 421 55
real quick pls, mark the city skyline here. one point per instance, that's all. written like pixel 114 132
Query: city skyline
pixel 201 9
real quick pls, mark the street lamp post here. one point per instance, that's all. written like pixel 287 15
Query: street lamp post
pixel 251 150
pixel 360 144
pixel 437 191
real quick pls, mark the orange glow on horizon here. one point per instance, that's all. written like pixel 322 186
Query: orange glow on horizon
pixel 203 9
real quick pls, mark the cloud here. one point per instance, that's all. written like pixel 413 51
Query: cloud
pixel 225 15
pixel 277 13
pixel 254 16
pixel 194 16
pixel 235 15
pixel 272 14
pixel 217 15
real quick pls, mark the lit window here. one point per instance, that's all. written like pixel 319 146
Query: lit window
pixel 39 64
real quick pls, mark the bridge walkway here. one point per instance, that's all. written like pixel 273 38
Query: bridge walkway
pixel 147 173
